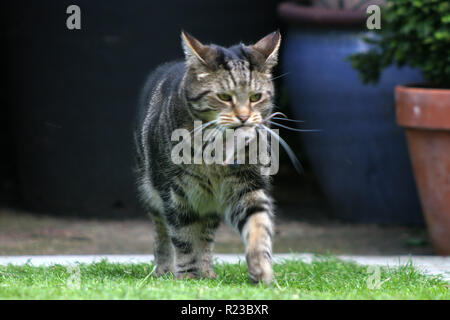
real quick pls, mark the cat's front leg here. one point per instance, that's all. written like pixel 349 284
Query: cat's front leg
pixel 257 234
pixel 252 216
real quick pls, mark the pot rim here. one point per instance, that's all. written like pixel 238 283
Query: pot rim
pixel 421 88
pixel 304 15
pixel 422 108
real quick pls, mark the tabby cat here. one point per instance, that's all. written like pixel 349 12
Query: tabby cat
pixel 224 88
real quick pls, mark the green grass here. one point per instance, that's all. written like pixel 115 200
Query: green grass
pixel 325 278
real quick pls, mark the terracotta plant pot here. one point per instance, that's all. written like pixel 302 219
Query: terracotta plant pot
pixel 425 114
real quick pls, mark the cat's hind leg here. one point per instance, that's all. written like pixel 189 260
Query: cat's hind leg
pixel 162 246
pixel 209 225
pixel 187 251
pixel 184 231
pixel 163 249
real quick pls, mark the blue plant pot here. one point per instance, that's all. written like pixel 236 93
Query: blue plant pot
pixel 360 157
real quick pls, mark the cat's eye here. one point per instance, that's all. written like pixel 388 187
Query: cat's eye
pixel 224 97
pixel 255 97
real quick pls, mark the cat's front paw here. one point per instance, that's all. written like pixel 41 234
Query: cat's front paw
pixel 260 267
pixel 209 273
pixel 188 275
pixel 163 270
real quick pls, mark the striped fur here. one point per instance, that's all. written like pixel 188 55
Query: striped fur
pixel 188 201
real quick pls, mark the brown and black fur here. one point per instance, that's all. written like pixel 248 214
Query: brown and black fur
pixel 187 202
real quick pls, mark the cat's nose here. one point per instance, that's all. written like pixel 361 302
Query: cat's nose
pixel 243 117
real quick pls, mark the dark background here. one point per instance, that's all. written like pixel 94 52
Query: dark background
pixel 70 96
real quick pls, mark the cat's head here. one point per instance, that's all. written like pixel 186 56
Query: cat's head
pixel 231 85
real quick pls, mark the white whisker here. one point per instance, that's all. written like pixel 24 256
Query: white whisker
pixel 286 119
pixel 273 115
pixel 281 75
pixel 294 129
pixel 291 154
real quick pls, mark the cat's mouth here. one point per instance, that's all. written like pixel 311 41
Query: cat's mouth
pixel 245 126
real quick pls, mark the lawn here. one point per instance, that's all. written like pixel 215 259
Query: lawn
pixel 324 278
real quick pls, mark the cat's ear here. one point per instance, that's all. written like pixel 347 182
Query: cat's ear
pixel 196 53
pixel 265 51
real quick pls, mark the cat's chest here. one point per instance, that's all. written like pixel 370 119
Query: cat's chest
pixel 210 188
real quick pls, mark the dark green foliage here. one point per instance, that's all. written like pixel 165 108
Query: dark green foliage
pixel 413 32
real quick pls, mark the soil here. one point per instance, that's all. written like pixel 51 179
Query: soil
pixel 23 233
